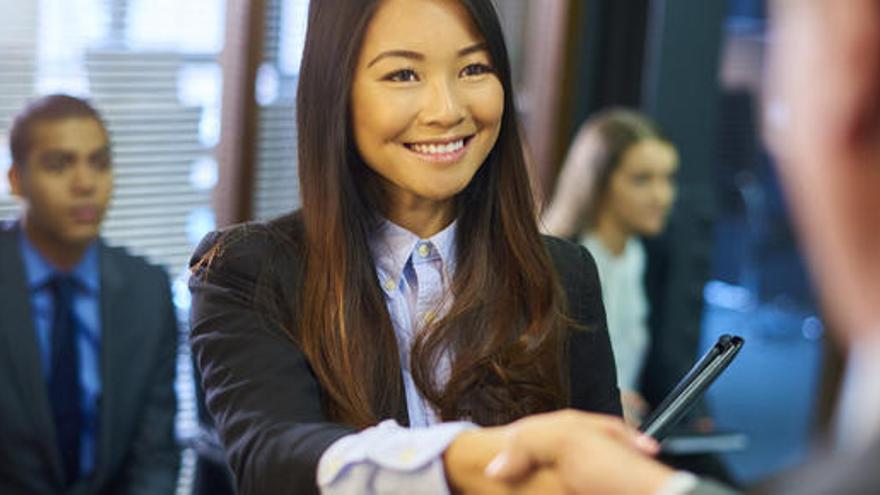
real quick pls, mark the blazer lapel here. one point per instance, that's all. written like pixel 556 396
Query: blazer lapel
pixel 18 337
pixel 113 351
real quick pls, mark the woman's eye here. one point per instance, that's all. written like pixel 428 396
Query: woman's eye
pixel 403 75
pixel 476 70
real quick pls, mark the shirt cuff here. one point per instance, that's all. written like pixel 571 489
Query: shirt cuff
pixel 680 483
pixel 389 458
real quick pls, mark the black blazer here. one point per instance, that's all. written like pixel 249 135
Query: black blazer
pixel 259 388
pixel 136 449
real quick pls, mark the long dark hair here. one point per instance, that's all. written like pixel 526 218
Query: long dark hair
pixel 504 330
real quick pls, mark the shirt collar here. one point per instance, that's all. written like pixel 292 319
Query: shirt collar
pixel 392 246
pixel 39 270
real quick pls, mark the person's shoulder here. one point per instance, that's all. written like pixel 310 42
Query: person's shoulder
pixel 7 227
pixel 7 233
pixel 119 258
pixel 574 264
pixel 557 246
pixel 244 247
pixel 567 254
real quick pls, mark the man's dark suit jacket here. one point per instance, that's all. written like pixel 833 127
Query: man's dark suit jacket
pixel 259 388
pixel 136 451
pixel 841 474
pixel 826 474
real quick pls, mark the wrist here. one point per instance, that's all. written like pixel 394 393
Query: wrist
pixel 467 456
pixel 656 479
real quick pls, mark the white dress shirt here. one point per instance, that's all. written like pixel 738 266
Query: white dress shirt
pixel 626 305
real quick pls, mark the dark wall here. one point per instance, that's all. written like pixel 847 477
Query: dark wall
pixel 661 56
pixel 681 92
pixel 605 55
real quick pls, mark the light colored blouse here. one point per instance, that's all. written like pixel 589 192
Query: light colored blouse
pixel 626 305
pixel 415 275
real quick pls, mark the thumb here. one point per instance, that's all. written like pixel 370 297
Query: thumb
pixel 509 464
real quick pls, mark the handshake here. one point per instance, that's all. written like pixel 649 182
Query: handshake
pixel 563 452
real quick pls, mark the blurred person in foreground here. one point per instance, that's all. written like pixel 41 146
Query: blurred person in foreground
pixel 823 122
pixel 617 185
pixel 88 331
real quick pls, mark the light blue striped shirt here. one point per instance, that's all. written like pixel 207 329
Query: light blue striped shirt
pixel 86 308
pixel 416 276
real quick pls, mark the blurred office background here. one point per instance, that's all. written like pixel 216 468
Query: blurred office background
pixel 199 99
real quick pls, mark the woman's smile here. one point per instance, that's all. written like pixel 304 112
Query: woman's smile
pixel 450 150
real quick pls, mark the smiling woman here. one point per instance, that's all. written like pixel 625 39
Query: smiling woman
pixel 413 288
pixel 425 115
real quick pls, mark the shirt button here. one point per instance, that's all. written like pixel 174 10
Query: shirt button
pixel 390 284
pixel 427 317
pixel 424 250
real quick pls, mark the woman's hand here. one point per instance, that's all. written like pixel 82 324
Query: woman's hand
pixel 471 452
pixel 564 452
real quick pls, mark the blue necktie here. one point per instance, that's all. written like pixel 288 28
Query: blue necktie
pixel 65 390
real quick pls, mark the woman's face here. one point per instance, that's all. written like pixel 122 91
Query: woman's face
pixel 426 102
pixel 642 189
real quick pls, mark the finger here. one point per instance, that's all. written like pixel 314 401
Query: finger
pixel 635 438
pixel 618 429
pixel 510 464
pixel 647 444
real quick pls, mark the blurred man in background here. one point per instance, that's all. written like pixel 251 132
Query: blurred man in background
pixel 88 332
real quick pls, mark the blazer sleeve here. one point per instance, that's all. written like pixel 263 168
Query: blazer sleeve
pixel 593 373
pixel 258 385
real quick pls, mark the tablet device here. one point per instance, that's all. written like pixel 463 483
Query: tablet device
pixel 688 391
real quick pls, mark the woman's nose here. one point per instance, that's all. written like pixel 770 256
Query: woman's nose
pixel 443 106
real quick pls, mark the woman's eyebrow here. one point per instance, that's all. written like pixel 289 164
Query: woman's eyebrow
pixel 412 55
pixel 479 47
pixel 397 53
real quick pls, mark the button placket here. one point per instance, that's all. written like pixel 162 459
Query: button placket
pixel 424 249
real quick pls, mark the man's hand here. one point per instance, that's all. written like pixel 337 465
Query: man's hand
pixel 564 452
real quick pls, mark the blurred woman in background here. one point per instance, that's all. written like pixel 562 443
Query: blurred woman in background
pixel 618 184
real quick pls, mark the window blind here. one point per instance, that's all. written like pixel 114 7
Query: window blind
pixel 276 188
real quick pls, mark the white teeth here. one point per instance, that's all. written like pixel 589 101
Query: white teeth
pixel 436 149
